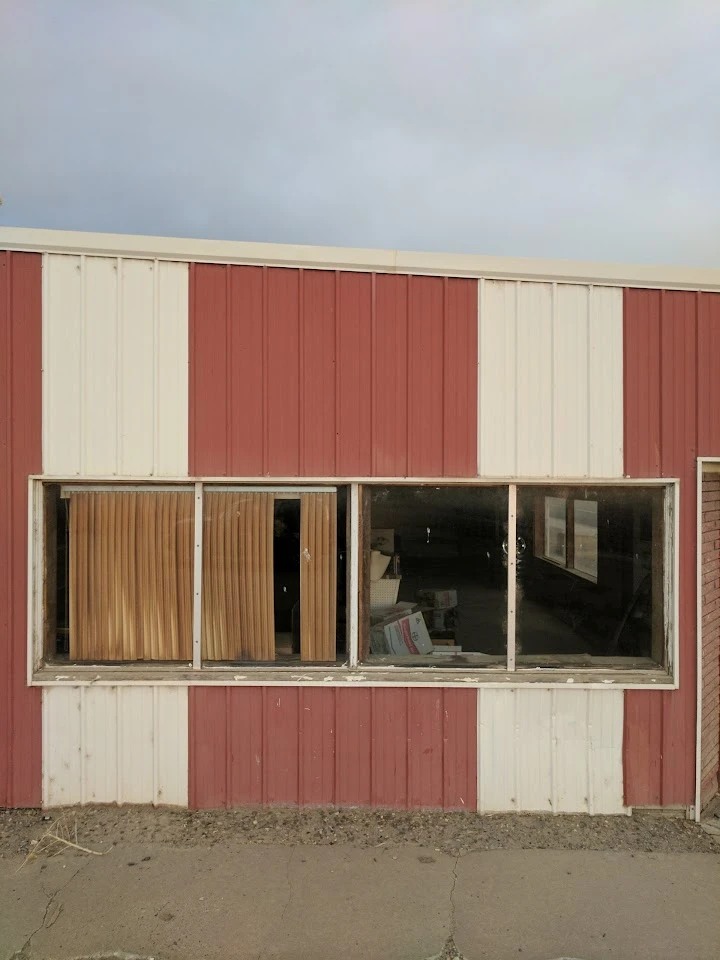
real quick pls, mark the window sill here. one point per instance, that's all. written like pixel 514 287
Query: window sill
pixel 644 677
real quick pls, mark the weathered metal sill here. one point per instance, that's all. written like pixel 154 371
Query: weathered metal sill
pixel 650 677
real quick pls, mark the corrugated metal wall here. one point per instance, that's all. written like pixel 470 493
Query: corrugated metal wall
pixel 115 367
pixel 551 380
pixel 557 751
pixel 20 455
pixel 672 415
pixel 323 373
pixel 398 748
pixel 114 745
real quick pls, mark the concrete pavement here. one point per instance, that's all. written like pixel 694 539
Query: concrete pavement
pixel 390 903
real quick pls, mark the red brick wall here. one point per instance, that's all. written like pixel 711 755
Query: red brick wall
pixel 710 734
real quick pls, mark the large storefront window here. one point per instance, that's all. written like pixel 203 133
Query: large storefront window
pixel 122 581
pixel 589 568
pixel 490 577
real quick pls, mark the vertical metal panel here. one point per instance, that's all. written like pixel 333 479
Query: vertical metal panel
pixel 666 382
pixel 390 377
pixel 571 364
pixel 425 376
pixel 534 403
pixel 20 455
pixel 317 736
pixel 460 378
pixel 382 747
pixel 550 380
pixel 605 379
pixel 212 321
pixel 390 739
pixel 354 384
pixel 282 374
pixel 281 745
pixel 353 750
pixel 114 745
pixel 316 373
pixel 425 727
pixel 550 750
pixel 115 355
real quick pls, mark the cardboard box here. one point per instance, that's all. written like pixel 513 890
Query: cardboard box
pixel 404 636
pixel 440 599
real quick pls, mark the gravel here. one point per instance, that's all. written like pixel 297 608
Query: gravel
pixel 453 833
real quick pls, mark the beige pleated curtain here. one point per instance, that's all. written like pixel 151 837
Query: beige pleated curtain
pixel 318 575
pixel 130 583
pixel 238 617
pixel 131 576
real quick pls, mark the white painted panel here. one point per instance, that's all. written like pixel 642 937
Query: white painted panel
pixel 571 750
pixel 115 745
pixel 542 750
pixel 571 385
pixel 62 353
pixel 99 367
pixel 136 389
pixel 535 767
pixel 496 724
pixel 99 710
pixel 62 747
pixel 605 728
pixel 496 376
pixel 171 370
pixel 171 747
pixel 534 385
pixel 605 337
pixel 550 387
pixel 115 367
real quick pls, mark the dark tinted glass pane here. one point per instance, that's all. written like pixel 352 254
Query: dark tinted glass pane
pixel 595 588
pixel 440 587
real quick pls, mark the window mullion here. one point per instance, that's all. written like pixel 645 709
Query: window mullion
pixel 511 574
pixel 353 554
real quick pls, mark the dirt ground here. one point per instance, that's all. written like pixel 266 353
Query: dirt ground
pixel 451 833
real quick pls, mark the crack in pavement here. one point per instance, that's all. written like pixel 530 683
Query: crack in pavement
pixel 23 953
pixel 285 909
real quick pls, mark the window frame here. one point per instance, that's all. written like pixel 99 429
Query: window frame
pixel 570 536
pixel 40 672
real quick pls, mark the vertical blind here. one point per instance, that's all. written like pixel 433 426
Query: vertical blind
pixel 130 584
pixel 238 621
pixel 318 575
pixel 131 576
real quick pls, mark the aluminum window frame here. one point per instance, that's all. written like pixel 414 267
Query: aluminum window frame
pixel 40 673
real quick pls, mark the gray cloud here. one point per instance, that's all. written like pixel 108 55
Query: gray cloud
pixel 560 128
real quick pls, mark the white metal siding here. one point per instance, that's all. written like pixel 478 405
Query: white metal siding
pixel 550 380
pixel 115 367
pixel 115 745
pixel 557 751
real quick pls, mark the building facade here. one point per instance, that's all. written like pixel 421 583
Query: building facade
pixel 294 525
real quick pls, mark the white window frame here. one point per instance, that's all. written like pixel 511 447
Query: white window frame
pixel 40 673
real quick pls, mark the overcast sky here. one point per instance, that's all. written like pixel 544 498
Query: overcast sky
pixel 558 128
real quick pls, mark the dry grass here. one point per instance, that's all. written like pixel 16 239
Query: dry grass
pixel 60 836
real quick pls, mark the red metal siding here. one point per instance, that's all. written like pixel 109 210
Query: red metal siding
pixel 20 455
pixel 671 353
pixel 382 748
pixel 320 373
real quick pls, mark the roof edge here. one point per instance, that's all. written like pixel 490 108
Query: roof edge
pixel 357 259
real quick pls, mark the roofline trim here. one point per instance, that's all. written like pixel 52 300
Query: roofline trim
pixel 357 259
